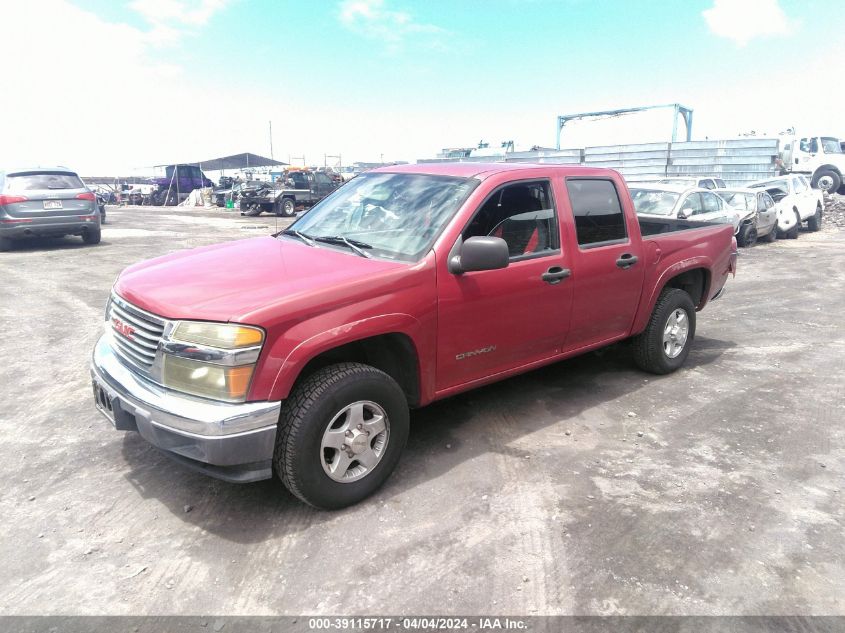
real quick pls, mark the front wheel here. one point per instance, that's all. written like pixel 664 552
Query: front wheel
pixel 815 222
pixel 665 343
pixel 341 432
pixel 748 236
pixel 827 180
pixel 792 233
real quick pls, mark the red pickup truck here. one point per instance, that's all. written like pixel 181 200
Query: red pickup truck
pixel 301 353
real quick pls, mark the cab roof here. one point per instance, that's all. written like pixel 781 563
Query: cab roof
pixel 485 170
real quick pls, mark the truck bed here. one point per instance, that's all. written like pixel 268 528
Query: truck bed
pixel 655 226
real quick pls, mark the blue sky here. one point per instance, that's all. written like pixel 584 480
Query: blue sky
pixel 189 79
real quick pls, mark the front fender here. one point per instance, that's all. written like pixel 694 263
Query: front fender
pixel 285 362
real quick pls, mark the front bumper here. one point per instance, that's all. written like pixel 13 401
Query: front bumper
pixel 233 442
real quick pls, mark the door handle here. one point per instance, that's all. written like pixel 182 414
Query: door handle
pixel 627 260
pixel 555 275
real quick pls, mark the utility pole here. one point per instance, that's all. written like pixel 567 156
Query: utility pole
pixel 271 139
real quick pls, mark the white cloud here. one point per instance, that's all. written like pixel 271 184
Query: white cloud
pixel 745 20
pixel 372 19
pixel 171 19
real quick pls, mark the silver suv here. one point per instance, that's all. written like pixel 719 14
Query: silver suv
pixel 46 202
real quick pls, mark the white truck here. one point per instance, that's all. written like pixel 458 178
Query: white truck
pixel 820 158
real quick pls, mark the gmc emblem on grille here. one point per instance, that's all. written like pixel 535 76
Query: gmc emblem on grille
pixel 124 328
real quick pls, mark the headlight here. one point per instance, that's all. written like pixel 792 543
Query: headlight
pixel 211 360
pixel 207 380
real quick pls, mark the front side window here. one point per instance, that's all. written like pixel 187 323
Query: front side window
pixel 391 216
pixel 707 184
pixel 522 214
pixel 597 211
pixel 798 185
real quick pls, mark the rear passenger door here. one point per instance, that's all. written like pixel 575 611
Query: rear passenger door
pixel 607 262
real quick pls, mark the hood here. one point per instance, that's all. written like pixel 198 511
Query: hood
pixel 227 282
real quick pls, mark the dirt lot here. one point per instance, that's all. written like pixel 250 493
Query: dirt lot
pixel 586 487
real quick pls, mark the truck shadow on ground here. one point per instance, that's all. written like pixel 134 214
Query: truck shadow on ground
pixel 42 244
pixel 443 436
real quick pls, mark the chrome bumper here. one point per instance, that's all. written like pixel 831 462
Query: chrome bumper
pixel 228 441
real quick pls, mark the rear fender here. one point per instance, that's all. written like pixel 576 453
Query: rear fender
pixel 648 301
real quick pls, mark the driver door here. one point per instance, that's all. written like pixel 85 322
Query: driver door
pixel 495 320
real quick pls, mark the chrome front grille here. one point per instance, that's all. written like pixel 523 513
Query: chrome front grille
pixel 135 333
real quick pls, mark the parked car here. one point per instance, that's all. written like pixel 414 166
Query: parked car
pixel 408 285
pixel 756 213
pixel 46 202
pixel 701 183
pixel 796 203
pixel 682 203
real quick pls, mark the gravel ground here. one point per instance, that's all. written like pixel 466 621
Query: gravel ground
pixel 582 488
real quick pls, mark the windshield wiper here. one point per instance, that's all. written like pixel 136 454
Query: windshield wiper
pixel 301 236
pixel 355 245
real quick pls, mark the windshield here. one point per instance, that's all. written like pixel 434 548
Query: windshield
pixel 739 200
pixel 393 216
pixel 654 201
pixel 831 145
pixel 777 189
pixel 42 180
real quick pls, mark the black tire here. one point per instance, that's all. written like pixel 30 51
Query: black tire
pixel 792 234
pixel 286 208
pixel 815 222
pixel 5 244
pixel 772 235
pixel 829 176
pixel 649 352
pixel 305 416
pixel 92 236
pixel 747 236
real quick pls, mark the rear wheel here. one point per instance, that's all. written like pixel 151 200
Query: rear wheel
pixel 772 235
pixel 815 222
pixel 5 244
pixel 286 208
pixel 92 236
pixel 665 343
pixel 341 432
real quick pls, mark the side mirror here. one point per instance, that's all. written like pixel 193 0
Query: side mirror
pixel 480 253
pixel 685 213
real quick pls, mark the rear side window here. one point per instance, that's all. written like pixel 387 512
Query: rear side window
pixel 597 211
pixel 33 181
